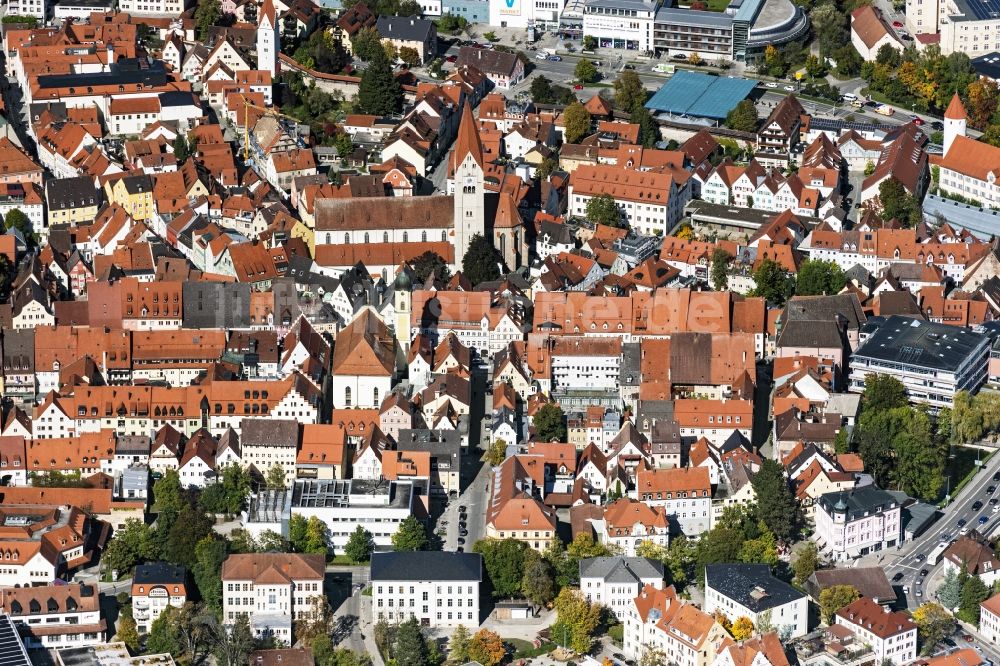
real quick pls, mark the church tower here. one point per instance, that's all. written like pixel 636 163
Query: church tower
pixel 954 122
pixel 508 233
pixel 466 167
pixel 268 39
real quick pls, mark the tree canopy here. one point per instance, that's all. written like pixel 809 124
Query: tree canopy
pixel 481 261
pixel 503 560
pixel 776 506
pixel 379 93
pixel 743 117
pixel 629 91
pixel 772 282
pixel 585 71
pixel 410 536
pixel 817 277
pixel 550 423
pixel 603 209
pixel 576 121
pixel 897 203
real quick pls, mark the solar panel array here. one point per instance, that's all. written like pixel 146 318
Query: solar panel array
pixel 12 651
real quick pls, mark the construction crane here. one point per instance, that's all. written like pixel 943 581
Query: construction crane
pixel 246 122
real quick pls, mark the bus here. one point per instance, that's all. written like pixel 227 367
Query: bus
pixel 935 555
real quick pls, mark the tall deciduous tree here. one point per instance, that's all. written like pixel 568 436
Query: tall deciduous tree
pixel 537 584
pixel 210 553
pixel 835 597
pixel 933 624
pixel 743 117
pixel 629 91
pixel 772 282
pixel 487 648
pixel 805 563
pixel 503 560
pixel 720 268
pixel 128 633
pixel 550 423
pixel 410 536
pixel 576 621
pixel 817 277
pixel 576 121
pixel 603 209
pixel 585 71
pixel 207 15
pixel 131 545
pixel 360 545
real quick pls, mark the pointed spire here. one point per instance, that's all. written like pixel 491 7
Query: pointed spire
pixel 956 110
pixel 267 11
pixel 468 141
pixel 507 215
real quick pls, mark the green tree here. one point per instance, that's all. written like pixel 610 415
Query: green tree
pixel 127 631
pixel 548 166
pixel 409 648
pixel 830 25
pixel 603 209
pixel 772 282
pixel 342 142
pixel 18 220
pixel 776 506
pixel 180 146
pixel 326 654
pixel 835 597
pixel 629 91
pixel 950 591
pixel 897 203
pixel 550 423
pixel 805 563
pixel 576 621
pixel 541 90
pixel 720 268
pixel 297 525
pixel 207 15
pixel 761 550
pixel 410 536
pixel 131 545
pixel 276 477
pixel 497 452
pixel 409 55
pixel 743 117
pixel 191 526
pixel 974 592
pixel 883 392
pixel 458 645
pixel 585 71
pixel 589 43
pixel 232 647
pixel 817 278
pixel 367 44
pixel 360 546
pixel 815 67
pixel 431 263
pixel 920 460
pixel 718 545
pixel 164 637
pixel 481 261
pixel 210 553
pixel 503 560
pixel 576 121
pixel 379 93
pixel 538 584
pixel 486 647
pixel 848 60
pixel 649 133
pixel 933 624
pixel 315 539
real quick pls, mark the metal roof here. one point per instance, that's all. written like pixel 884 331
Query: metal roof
pixel 914 342
pixel 700 95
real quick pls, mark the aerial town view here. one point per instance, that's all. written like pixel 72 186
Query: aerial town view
pixel 500 333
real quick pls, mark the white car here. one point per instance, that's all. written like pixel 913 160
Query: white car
pixel 789 88
pixel 770 84
pixel 542 55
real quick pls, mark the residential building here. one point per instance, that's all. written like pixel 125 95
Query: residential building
pixel 780 133
pixel 55 616
pixel 409 32
pixel 272 589
pixel 989 620
pixel 439 589
pixel 685 494
pixel 156 585
pixel 749 590
pixel 857 522
pixel 892 635
pixel 685 635
pixel 870 32
pixel 614 582
pixel 968 168
pixel 974 555
pixel 504 70
pixel 652 202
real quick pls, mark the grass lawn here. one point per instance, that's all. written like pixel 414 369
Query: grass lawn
pixel 343 560
pixel 526 649
pixel 714 5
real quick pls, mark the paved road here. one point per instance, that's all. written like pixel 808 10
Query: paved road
pixel 909 559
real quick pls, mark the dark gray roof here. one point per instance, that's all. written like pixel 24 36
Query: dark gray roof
pixel 988 65
pixel 810 334
pixel 67 193
pixel 750 585
pixel 629 372
pixel 914 342
pixel 269 432
pixel 404 28
pixel 488 61
pixel 126 71
pixel 826 308
pixel 427 566
pixel 620 569
pixel 19 351
pixel 858 501
pixel 216 305
pixel 443 445
pixel 159 573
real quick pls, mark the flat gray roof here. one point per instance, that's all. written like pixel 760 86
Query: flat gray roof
pixel 692 17
pixel 915 342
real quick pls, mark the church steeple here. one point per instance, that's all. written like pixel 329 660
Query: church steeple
pixel 466 167
pixel 467 142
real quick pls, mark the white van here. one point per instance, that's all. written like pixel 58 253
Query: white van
pixel 848 97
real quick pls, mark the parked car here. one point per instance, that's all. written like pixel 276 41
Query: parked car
pixel 898 577
pixel 451 58
pixel 917 120
pixel 578 87
pixel 555 58
pixel 919 593
pixel 789 88
pixel 542 55
pixel 996 477
pixel 992 489
pixel 679 56
pixel 977 505
pixel 897 24
pixel 770 84
pixel 983 520
pixel 937 126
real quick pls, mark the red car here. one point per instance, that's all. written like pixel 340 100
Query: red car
pixel 897 24
pixel 917 120
pixel 451 58
pixel 578 87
